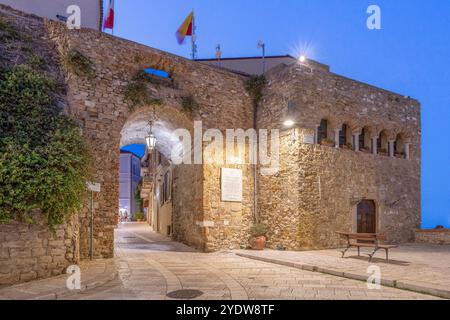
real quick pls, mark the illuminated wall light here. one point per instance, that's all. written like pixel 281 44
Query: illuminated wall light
pixel 288 123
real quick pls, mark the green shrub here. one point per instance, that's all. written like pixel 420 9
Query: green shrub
pixel 189 104
pixel 36 62
pixel 258 230
pixel 139 216
pixel 137 197
pixel 255 86
pixel 79 64
pixel 44 160
pixel 9 32
pixel 137 92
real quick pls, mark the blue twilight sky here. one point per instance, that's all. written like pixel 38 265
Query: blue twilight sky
pixel 410 55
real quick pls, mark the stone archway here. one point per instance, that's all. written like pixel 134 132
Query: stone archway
pixel 167 119
pixel 99 104
pixel 170 215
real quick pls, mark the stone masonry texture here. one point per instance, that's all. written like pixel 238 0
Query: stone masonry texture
pixel 437 236
pixel 318 187
pixel 314 194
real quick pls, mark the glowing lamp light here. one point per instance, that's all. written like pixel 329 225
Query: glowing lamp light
pixel 151 141
pixel 302 58
pixel 288 123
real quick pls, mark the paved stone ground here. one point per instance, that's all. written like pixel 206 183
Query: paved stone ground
pixel 418 267
pixel 148 266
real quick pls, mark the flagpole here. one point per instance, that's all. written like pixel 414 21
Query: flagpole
pixel 112 29
pixel 193 38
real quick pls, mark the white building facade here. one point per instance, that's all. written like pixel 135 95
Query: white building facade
pixel 91 10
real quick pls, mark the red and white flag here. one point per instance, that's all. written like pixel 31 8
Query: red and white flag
pixel 108 23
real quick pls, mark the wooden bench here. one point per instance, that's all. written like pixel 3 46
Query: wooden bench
pixel 366 240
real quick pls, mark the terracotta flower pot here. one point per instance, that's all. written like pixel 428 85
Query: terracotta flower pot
pixel 258 243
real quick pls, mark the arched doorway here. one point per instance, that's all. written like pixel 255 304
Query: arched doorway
pixel 157 190
pixel 366 217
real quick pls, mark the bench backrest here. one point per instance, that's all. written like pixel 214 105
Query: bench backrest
pixel 364 237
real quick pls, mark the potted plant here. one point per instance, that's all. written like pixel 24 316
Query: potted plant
pixel 399 154
pixel 258 239
pixel 139 217
pixel 365 149
pixel 327 142
pixel 383 152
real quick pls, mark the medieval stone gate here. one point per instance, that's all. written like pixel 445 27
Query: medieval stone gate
pixel 313 194
pixel 109 122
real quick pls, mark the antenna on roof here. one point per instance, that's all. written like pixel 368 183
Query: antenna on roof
pixel 218 54
pixel 262 45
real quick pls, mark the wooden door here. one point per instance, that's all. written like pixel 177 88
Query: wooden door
pixel 366 217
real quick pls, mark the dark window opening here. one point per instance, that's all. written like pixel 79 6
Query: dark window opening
pixel 362 138
pixel 322 131
pixel 343 136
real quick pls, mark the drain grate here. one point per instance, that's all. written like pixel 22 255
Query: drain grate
pixel 185 294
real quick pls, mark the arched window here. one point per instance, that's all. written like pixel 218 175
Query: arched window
pixel 322 132
pixel 399 146
pixel 382 143
pixel 364 140
pixel 345 137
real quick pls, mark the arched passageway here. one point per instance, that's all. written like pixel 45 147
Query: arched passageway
pixel 165 204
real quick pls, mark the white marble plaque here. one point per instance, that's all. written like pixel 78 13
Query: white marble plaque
pixel 231 185
pixel 308 139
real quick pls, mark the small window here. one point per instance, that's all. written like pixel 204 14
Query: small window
pixel 382 143
pixel 322 132
pixel 362 139
pixel 399 146
pixel 345 137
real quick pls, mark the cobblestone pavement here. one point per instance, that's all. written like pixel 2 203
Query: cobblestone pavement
pixel 416 267
pixel 149 266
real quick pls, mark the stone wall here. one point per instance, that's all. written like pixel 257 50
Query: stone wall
pixel 318 187
pixel 109 121
pixel 314 194
pixel 437 236
pixel 29 252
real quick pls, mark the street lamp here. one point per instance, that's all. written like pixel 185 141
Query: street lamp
pixel 151 141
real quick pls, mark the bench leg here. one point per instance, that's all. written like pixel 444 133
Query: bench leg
pixel 345 251
pixel 359 252
pixel 387 254
pixel 372 254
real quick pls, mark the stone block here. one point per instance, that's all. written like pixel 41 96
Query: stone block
pixel 28 276
pixel 19 253
pixel 38 252
pixel 4 268
pixel 4 253
pixel 44 260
